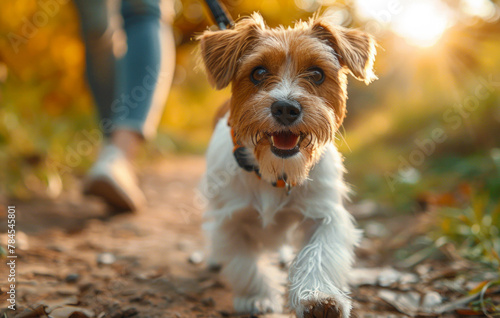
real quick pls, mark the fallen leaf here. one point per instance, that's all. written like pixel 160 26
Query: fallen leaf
pixel 53 304
pixel 40 311
pixel 468 312
pixel 68 311
pixel 364 276
pixel 406 303
pixel 388 277
pixel 431 300
pixel 454 305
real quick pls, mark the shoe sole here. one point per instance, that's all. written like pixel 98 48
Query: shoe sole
pixel 104 189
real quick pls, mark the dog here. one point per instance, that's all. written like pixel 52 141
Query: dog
pixel 273 171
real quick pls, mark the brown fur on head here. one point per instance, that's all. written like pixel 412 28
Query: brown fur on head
pixel 293 60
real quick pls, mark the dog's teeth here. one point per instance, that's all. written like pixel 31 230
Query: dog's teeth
pixel 272 140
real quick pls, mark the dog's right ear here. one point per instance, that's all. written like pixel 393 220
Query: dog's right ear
pixel 355 48
pixel 221 50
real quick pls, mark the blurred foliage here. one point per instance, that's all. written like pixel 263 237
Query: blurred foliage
pixel 46 108
pixel 474 229
pixel 393 154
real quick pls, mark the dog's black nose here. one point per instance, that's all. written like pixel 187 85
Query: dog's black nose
pixel 285 112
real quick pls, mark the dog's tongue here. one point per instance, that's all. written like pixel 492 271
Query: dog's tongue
pixel 284 140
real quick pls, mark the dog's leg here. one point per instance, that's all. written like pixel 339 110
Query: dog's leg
pixel 237 244
pixel 318 275
pixel 253 292
pixel 285 255
pixel 286 251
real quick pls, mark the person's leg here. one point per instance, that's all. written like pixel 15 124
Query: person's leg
pixel 111 176
pixel 99 32
pixel 142 78
pixel 147 70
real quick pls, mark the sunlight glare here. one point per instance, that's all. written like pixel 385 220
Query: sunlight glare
pixel 484 9
pixel 420 23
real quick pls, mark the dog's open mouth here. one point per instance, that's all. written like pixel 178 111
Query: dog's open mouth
pixel 285 144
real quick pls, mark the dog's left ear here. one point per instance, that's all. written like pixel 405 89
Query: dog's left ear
pixel 222 50
pixel 356 48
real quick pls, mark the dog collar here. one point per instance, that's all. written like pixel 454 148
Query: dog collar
pixel 241 157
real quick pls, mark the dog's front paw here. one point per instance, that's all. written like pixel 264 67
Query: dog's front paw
pixel 325 307
pixel 258 305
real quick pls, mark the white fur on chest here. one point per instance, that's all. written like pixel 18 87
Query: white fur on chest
pixel 228 188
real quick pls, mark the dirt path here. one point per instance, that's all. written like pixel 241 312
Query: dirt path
pixel 146 265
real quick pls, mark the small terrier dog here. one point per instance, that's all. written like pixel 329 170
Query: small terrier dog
pixel 273 172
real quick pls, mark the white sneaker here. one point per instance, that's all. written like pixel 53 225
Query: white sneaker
pixel 112 178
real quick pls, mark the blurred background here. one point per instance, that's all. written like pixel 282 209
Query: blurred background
pixel 426 135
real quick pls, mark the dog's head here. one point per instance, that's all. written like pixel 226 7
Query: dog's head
pixel 288 87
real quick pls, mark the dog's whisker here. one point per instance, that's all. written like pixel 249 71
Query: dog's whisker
pixel 343 138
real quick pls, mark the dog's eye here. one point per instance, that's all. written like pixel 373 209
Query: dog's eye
pixel 258 75
pixel 316 75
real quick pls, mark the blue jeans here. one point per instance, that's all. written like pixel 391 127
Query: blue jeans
pixel 130 55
